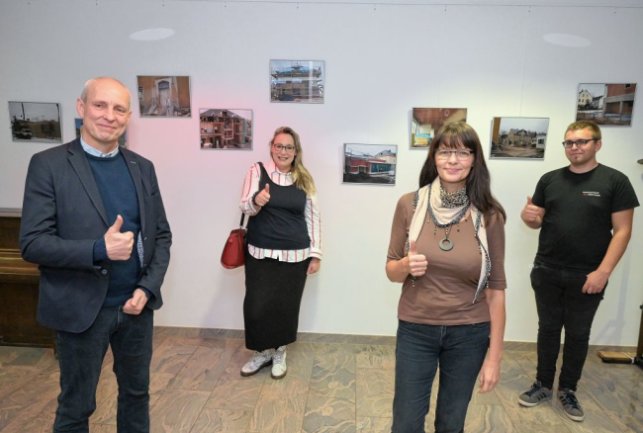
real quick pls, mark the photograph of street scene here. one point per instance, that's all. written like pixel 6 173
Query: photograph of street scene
pixel 519 137
pixel 606 104
pixel 35 121
pixel 297 81
pixel 370 163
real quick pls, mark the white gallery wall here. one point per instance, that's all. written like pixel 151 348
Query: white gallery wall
pixel 495 58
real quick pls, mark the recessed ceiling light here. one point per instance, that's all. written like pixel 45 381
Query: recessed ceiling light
pixel 152 34
pixel 567 40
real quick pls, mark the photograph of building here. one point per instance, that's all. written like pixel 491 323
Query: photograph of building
pixel 164 96
pixel 519 137
pixel 370 163
pixel 425 123
pixel 606 104
pixel 297 81
pixel 225 129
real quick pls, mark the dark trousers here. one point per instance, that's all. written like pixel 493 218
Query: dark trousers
pixel 458 351
pixel 561 304
pixel 80 357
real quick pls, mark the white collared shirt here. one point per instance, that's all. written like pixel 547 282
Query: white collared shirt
pixel 95 152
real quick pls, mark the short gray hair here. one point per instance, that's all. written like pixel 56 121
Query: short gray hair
pixel 91 81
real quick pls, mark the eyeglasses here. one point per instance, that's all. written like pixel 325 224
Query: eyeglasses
pixel 580 142
pixel 460 154
pixel 288 148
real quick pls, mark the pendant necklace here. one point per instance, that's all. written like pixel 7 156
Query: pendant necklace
pixel 446 244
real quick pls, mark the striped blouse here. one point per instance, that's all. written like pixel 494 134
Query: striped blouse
pixel 311 214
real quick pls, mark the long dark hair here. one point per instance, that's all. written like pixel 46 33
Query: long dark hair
pixel 453 135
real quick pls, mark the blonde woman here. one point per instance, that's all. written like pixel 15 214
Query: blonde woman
pixel 284 247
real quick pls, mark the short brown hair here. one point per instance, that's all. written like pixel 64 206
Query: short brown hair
pixel 585 124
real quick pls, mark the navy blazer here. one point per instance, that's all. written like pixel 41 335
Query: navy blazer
pixel 63 216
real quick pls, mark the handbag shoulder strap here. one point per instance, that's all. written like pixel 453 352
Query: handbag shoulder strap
pixel 265 177
pixel 243 223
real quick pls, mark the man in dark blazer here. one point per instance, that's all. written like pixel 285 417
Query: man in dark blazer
pixel 94 222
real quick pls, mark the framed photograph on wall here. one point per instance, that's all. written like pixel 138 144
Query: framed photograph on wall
pixel 225 128
pixel 605 103
pixel 297 81
pixel 35 121
pixel 164 96
pixel 370 163
pixel 425 123
pixel 519 137
pixel 78 123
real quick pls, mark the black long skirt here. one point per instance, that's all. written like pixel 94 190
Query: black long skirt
pixel 273 298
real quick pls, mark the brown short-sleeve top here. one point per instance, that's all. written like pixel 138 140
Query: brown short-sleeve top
pixel 444 295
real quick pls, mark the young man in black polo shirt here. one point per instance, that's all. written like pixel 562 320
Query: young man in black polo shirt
pixel 585 213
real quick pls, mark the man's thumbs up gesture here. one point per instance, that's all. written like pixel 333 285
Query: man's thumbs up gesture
pixel 417 262
pixel 532 215
pixel 119 245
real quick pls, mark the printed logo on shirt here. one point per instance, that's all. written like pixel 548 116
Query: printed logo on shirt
pixel 591 193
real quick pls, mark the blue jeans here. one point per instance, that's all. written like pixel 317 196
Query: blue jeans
pixel 561 304
pixel 80 357
pixel 458 351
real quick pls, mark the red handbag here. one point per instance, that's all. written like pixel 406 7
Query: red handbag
pixel 233 254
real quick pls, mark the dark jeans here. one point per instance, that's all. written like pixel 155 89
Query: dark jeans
pixel 561 304
pixel 458 351
pixel 80 357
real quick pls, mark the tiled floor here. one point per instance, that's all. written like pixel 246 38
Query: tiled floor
pixel 338 384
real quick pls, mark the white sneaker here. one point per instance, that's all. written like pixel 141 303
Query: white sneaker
pixel 279 363
pixel 258 361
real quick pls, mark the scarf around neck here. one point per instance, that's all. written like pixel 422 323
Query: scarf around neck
pixel 445 216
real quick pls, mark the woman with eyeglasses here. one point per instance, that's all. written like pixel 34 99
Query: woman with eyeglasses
pixel 447 249
pixel 284 247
